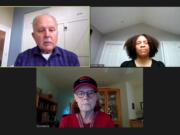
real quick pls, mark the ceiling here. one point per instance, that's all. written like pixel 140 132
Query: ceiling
pixel 63 78
pixel 109 19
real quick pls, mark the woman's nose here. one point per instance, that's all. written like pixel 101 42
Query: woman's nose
pixel 142 44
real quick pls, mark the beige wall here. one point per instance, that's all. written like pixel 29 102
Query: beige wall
pixel 6 16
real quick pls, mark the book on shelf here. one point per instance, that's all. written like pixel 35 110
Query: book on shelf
pixel 53 108
pixel 44 117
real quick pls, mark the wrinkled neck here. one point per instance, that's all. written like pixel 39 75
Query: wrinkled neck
pixel 87 116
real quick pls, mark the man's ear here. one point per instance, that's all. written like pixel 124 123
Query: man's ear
pixel 33 34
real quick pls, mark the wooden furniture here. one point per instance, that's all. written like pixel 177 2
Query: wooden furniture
pixel 111 104
pixel 136 123
pixel 46 110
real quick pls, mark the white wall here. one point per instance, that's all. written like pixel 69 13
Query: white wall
pixel 96 39
pixel 124 34
pixel 138 94
pixel 131 99
pixel 6 16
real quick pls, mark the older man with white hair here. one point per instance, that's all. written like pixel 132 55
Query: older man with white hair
pixel 46 53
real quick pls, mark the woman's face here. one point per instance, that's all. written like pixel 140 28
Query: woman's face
pixel 86 98
pixel 142 47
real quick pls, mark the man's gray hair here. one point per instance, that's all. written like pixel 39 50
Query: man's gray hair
pixel 35 20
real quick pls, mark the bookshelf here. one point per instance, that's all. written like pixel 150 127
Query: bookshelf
pixel 46 109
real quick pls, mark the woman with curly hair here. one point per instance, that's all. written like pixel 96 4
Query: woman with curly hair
pixel 141 48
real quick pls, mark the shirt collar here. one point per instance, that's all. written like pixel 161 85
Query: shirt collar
pixel 37 51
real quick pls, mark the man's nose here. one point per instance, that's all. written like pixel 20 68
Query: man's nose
pixel 47 33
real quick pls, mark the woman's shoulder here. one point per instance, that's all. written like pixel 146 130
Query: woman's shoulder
pixel 158 63
pixel 129 63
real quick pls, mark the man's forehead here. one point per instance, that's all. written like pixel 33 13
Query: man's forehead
pixel 46 26
pixel 85 88
pixel 45 19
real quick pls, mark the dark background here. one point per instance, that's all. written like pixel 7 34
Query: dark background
pixel 90 2
pixel 17 102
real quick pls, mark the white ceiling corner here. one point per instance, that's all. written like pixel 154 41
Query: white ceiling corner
pixel 109 19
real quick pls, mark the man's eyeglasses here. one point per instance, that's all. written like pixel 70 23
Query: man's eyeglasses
pixel 81 94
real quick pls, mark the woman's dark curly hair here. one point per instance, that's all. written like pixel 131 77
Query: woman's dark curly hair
pixel 130 45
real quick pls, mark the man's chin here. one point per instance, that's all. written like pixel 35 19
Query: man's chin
pixel 48 44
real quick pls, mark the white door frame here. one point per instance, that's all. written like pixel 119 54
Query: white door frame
pixel 6 44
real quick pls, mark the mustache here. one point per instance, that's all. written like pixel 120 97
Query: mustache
pixel 47 40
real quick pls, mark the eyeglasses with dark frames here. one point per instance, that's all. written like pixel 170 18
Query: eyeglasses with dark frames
pixel 82 94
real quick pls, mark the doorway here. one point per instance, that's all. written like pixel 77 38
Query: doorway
pixel 2 38
pixel 4 45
